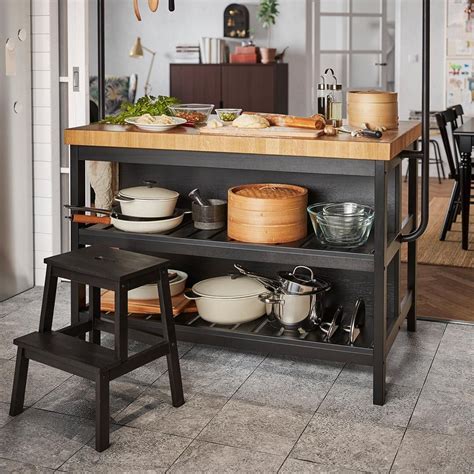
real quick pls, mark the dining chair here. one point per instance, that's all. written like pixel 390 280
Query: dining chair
pixel 448 122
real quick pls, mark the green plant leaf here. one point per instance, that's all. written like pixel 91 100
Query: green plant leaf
pixel 145 105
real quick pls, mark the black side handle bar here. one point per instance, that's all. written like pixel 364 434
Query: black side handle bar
pixel 425 140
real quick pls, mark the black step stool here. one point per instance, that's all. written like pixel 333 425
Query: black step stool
pixel 66 349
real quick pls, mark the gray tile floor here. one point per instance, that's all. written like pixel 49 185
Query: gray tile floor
pixel 247 412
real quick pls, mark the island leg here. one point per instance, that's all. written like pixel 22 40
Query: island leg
pixel 380 282
pixel 412 246
pixel 78 198
pixel 465 172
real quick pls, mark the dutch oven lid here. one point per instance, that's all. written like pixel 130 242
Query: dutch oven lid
pixel 228 287
pixel 148 192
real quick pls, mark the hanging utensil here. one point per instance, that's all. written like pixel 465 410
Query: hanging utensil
pixel 136 9
pixel 153 4
pixel 171 5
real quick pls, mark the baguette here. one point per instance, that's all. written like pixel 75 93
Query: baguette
pixel 315 122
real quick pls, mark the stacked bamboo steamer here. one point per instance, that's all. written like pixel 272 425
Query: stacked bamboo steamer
pixel 267 213
pixel 378 109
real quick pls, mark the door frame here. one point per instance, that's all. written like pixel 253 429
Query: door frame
pixel 313 19
pixel 75 74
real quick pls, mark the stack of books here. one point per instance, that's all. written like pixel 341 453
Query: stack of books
pixel 244 55
pixel 187 54
pixel 213 51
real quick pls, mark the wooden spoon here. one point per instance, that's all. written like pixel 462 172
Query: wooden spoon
pixel 137 10
pixel 153 4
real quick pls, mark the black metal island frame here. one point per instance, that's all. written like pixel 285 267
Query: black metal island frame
pixel 334 169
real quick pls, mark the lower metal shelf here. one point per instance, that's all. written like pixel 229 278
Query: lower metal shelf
pixel 260 336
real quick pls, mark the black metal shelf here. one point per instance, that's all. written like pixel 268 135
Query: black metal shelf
pixel 262 336
pixel 186 240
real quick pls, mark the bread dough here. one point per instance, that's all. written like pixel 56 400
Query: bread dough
pixel 251 121
pixel 214 124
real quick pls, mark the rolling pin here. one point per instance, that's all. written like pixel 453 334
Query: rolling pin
pixel 315 122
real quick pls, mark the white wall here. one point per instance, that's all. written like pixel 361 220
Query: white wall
pixel 409 46
pixel 162 31
pixel 45 132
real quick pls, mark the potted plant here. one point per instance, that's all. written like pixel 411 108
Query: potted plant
pixel 267 15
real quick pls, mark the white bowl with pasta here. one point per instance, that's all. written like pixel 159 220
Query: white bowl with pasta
pixel 155 123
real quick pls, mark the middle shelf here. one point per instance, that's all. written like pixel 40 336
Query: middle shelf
pixel 186 240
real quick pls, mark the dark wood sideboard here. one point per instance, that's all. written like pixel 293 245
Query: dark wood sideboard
pixel 255 87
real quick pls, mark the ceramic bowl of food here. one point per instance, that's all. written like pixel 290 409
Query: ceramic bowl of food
pixel 193 113
pixel 155 123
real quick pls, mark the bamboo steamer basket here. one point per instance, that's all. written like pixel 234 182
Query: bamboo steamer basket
pixel 267 213
pixel 376 108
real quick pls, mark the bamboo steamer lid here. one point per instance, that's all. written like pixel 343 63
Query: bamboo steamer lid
pixel 376 108
pixel 267 213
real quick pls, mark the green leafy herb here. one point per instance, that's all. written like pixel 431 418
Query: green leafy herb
pixel 145 105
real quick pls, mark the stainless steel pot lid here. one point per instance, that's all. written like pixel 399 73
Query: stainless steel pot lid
pixel 149 191
pixel 228 287
pixel 303 282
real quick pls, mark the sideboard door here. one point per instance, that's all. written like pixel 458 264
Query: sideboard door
pixel 196 83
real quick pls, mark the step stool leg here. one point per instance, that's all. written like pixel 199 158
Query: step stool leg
pixel 102 413
pixel 169 333
pixel 49 298
pixel 94 313
pixel 19 383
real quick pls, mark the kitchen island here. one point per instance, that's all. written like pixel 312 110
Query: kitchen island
pixel 333 169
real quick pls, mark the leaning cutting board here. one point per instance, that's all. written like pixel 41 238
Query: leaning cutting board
pixel 270 132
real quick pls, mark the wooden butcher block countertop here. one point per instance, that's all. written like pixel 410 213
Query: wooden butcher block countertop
pixel 189 139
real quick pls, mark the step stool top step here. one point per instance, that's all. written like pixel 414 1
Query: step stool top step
pixel 105 262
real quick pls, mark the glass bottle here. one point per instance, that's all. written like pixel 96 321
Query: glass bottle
pixel 335 100
pixel 321 99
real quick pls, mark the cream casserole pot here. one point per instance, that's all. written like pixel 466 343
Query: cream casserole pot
pixel 147 201
pixel 228 300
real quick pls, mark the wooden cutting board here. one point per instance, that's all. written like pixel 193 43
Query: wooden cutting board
pixel 146 307
pixel 270 132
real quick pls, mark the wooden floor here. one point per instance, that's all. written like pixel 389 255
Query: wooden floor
pixel 444 292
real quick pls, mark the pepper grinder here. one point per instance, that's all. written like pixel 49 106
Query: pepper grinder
pixel 321 98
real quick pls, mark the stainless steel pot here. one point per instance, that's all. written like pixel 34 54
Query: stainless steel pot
pixel 225 300
pixel 147 201
pixel 292 283
pixel 295 311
